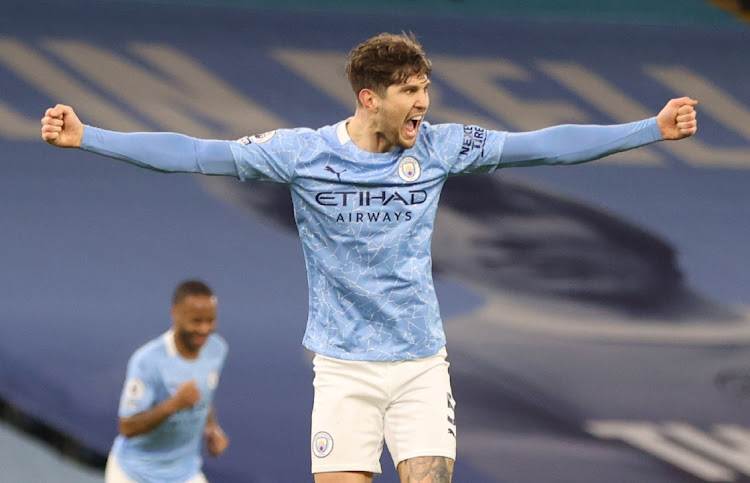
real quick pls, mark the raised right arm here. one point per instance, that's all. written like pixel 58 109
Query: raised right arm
pixel 167 152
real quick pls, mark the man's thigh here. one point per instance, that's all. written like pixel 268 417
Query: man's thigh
pixel 344 477
pixel 347 418
pixel 426 469
pixel 420 421
pixel 359 405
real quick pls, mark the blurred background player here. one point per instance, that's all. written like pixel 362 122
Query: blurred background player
pixel 166 407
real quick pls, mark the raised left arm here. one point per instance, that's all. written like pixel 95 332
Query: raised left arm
pixel 573 144
pixel 678 119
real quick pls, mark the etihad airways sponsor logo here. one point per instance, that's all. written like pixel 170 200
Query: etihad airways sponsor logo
pixel 380 197
pixel 376 199
pixel 374 217
pixel 723 454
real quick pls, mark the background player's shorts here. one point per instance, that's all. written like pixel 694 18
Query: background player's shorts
pixel 113 473
pixel 358 404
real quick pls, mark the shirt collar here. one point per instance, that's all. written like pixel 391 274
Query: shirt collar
pixel 341 133
pixel 170 343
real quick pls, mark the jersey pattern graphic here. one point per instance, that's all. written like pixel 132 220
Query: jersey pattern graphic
pixel 365 221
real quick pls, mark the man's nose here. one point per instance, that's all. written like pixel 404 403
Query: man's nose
pixel 422 101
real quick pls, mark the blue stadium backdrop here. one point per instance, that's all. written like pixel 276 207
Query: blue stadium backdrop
pixel 598 316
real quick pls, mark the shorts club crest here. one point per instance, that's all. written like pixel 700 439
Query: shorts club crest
pixel 322 444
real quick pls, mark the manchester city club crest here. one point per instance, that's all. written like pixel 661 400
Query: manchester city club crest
pixel 409 169
pixel 322 444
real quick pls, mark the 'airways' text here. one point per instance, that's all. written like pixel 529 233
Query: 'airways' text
pixel 359 217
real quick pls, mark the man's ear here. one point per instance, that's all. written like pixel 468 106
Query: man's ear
pixel 369 99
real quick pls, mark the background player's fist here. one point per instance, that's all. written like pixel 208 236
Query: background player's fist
pixel 186 395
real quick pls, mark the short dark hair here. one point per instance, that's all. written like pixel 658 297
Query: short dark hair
pixel 384 60
pixel 188 288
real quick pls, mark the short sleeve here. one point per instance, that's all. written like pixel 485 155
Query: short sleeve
pixel 139 388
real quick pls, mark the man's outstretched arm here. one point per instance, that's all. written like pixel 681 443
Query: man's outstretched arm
pixel 167 152
pixel 572 144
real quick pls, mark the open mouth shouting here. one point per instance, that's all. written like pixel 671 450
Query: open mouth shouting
pixel 411 126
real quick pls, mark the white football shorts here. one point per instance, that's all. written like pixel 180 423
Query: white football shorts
pixel 113 473
pixel 360 404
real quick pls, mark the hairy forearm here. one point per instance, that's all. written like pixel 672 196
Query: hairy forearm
pixel 147 420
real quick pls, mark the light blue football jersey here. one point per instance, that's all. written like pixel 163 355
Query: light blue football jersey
pixel 171 451
pixel 366 219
